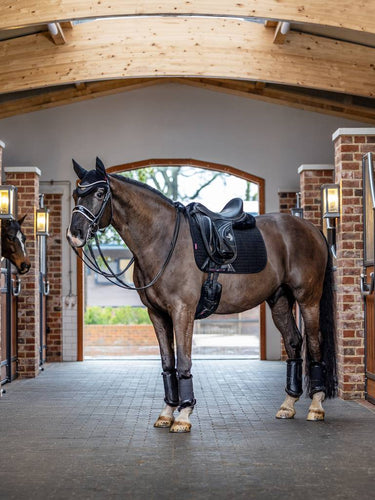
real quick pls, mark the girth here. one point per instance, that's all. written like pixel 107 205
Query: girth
pixel 217 229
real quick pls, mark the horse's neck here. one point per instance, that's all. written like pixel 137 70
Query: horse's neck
pixel 142 218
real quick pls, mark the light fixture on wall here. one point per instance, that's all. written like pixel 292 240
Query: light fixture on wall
pixel 331 201
pixel 8 201
pixel 331 212
pixel 297 211
pixel 42 218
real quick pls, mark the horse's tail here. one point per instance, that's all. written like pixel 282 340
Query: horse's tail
pixel 327 326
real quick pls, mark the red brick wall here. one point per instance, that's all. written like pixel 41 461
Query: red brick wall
pixel 287 201
pixel 119 340
pixel 54 275
pixel 350 314
pixel 311 181
pixel 28 301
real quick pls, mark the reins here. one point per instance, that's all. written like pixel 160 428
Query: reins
pixel 90 260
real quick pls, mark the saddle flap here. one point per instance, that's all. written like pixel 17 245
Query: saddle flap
pixel 218 238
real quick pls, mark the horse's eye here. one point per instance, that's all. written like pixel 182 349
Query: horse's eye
pixel 99 194
pixel 11 238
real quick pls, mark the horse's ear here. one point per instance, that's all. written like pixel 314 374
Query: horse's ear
pixel 80 171
pixel 100 168
pixel 20 221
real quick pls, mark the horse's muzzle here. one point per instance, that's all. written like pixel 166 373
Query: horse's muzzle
pixel 24 268
pixel 74 238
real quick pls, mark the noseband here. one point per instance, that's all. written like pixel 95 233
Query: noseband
pixel 83 190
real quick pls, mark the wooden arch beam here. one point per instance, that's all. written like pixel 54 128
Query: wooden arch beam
pixel 185 47
pixel 356 15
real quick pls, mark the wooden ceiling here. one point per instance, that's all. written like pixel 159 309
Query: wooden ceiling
pixel 313 55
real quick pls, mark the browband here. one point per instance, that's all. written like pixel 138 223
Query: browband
pixel 85 189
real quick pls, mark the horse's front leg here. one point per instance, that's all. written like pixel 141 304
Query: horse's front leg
pixel 164 331
pixel 183 321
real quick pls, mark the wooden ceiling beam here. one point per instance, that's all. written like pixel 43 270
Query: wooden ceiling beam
pixel 287 97
pixel 358 15
pixel 185 47
pixel 80 92
pixel 253 90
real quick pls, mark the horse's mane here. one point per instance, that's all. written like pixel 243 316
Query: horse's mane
pixel 142 185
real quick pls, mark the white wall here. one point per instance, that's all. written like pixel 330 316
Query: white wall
pixel 169 121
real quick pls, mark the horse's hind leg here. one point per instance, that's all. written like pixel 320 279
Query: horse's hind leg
pixel 316 371
pixel 164 332
pixel 281 307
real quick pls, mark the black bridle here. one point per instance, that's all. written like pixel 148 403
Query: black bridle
pixel 90 260
pixel 82 191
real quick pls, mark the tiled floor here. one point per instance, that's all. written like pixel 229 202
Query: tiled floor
pixel 84 430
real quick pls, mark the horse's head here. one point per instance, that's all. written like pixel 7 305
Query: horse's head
pixel 92 210
pixel 13 244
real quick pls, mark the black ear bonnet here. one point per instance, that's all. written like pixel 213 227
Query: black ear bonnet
pixel 92 180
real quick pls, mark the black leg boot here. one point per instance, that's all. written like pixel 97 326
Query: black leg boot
pixel 170 388
pixel 294 377
pixel 186 393
pixel 317 374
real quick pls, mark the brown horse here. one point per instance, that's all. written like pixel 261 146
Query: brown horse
pixel 13 245
pixel 157 232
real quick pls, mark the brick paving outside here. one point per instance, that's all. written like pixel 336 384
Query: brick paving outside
pixel 84 430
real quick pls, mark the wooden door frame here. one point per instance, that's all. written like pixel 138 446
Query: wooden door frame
pixel 176 162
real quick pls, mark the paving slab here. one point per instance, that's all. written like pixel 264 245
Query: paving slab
pixel 84 430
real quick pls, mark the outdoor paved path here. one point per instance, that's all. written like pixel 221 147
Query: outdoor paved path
pixel 84 430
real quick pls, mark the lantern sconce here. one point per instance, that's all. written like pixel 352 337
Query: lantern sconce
pixel 331 211
pixel 42 218
pixel 8 201
pixel 297 211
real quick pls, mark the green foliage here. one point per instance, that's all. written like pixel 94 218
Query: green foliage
pixel 126 315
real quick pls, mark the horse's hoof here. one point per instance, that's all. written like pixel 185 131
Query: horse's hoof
pixel 180 427
pixel 315 415
pixel 286 413
pixel 164 422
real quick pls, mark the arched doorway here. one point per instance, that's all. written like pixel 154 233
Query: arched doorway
pixel 175 162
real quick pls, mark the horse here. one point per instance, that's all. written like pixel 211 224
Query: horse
pixel 156 230
pixel 13 245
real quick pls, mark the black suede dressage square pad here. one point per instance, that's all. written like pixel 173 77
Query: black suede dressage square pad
pixel 251 251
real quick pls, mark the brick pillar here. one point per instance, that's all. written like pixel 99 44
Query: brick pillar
pixel 2 146
pixel 311 179
pixel 287 201
pixel 54 275
pixel 350 145
pixel 26 179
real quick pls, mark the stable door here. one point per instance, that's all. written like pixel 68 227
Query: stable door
pixel 367 276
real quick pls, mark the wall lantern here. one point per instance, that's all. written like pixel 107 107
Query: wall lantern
pixel 8 202
pixel 42 218
pixel 330 201
pixel 331 212
pixel 297 211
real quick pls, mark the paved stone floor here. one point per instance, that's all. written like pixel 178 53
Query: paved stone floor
pixel 84 430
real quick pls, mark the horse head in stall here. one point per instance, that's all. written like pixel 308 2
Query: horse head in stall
pixel 13 245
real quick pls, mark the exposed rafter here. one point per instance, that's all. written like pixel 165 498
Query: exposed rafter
pixel 57 34
pixel 168 47
pixel 337 105
pixel 80 92
pixel 288 97
pixel 358 15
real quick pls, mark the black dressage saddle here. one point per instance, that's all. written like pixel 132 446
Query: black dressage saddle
pixel 218 229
